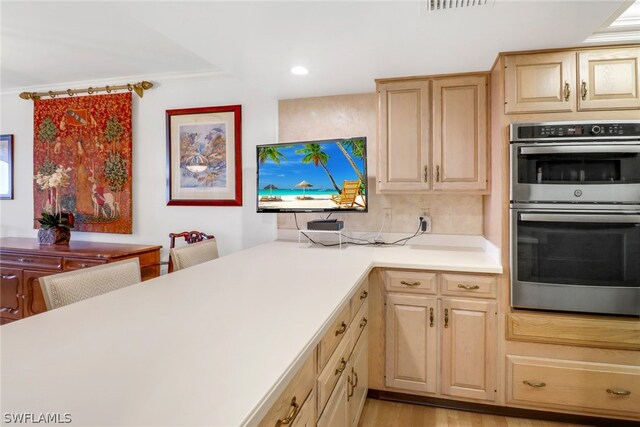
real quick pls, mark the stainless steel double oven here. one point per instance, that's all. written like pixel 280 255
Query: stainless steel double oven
pixel 575 216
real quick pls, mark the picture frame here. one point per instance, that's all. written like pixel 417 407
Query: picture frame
pixel 204 156
pixel 6 167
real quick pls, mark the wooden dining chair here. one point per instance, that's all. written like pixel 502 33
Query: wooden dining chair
pixel 190 237
pixel 196 253
pixel 77 285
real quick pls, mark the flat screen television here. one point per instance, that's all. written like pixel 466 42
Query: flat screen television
pixel 313 176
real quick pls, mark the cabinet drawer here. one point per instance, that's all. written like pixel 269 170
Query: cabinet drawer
pixel 78 263
pixel 585 386
pixel 422 282
pixel 468 285
pixel 293 397
pixel 332 372
pixel 359 298
pixel 33 261
pixel 358 325
pixel 333 336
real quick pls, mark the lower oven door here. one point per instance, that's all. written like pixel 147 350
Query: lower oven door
pixel 576 261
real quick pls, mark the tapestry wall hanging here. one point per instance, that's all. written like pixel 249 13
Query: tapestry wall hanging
pixel 82 160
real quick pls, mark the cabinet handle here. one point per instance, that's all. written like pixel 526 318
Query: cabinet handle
pixel 363 322
pixel 8 276
pixel 567 91
pixel 295 408
pixel 343 328
pixel 583 90
pixel 446 317
pixel 431 317
pixel 85 265
pixel 343 365
pixel 355 376
pixel 25 260
pixel 468 287
pixel 534 384
pixel 349 391
pixel 426 174
pixel 364 294
pixel 618 392
pixel 409 283
pixel 438 173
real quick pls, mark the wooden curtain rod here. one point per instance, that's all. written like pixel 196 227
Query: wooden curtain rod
pixel 138 88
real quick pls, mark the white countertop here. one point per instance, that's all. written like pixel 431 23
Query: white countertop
pixel 211 345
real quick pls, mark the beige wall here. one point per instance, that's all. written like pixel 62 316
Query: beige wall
pixel 355 115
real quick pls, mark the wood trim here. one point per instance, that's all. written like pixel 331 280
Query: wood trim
pixel 565 49
pixel 432 76
pixel 588 331
pixel 497 410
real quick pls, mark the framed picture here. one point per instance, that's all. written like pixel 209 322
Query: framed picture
pixel 204 156
pixel 6 167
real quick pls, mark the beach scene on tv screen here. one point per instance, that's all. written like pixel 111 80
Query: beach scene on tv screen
pixel 327 175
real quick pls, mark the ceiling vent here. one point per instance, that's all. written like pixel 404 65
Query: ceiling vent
pixel 435 5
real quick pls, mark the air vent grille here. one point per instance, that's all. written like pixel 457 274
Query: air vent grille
pixel 433 5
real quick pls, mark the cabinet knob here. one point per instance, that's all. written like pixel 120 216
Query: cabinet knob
pixel 618 392
pixel 534 384
pixel 295 408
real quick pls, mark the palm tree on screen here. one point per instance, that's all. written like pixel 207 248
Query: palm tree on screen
pixel 314 154
pixel 356 146
pixel 270 153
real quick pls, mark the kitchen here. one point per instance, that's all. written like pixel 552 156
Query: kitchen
pixel 479 214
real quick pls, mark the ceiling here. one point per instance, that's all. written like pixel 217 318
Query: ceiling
pixel 344 44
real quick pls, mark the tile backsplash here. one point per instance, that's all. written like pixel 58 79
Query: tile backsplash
pixel 344 116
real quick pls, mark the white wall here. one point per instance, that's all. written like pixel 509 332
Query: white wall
pixel 235 227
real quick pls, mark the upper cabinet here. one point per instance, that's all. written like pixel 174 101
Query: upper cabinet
pixel 601 79
pixel 433 142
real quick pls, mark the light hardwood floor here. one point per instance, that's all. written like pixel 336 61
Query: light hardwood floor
pixel 381 413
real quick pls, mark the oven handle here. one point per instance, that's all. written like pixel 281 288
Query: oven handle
pixel 581 149
pixel 543 217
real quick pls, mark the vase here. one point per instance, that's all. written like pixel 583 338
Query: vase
pixel 54 236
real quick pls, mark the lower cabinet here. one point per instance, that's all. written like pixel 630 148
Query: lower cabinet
pixel 358 379
pixel 441 345
pixel 597 388
pixel 336 413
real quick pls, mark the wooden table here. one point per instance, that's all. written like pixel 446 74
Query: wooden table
pixel 23 261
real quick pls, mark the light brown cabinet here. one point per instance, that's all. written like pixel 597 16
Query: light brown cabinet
pixel 570 81
pixel 358 379
pixel 434 145
pixel 336 413
pixel 440 345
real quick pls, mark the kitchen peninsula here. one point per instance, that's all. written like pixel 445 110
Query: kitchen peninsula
pixel 214 344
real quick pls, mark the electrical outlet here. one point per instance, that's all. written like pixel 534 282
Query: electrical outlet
pixel 426 224
pixel 387 214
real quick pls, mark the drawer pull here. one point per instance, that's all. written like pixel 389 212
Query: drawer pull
pixel 364 294
pixel 353 388
pixel 446 317
pixel 534 384
pixel 85 265
pixel 25 260
pixel 618 392
pixel 8 276
pixel 342 330
pixel 355 377
pixel 567 90
pixel 343 365
pixel 431 317
pixel 468 287
pixel 583 90
pixel 363 322
pixel 295 408
pixel 409 283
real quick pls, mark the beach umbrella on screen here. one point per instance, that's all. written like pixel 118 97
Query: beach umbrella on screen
pixel 270 187
pixel 304 185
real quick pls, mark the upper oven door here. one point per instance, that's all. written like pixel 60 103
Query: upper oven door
pixel 575 173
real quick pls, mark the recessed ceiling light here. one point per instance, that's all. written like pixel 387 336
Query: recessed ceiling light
pixel 300 70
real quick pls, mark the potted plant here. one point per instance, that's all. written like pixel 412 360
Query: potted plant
pixel 55 225
pixel 55 229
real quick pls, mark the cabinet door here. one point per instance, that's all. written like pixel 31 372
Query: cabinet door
pixel 609 79
pixel 403 136
pixel 468 348
pixel 460 133
pixel 336 413
pixel 11 301
pixel 34 300
pixel 411 351
pixel 541 82
pixel 359 377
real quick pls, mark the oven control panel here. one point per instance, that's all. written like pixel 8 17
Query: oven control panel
pixel 581 131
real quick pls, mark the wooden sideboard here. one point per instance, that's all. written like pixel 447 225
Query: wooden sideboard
pixel 23 261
